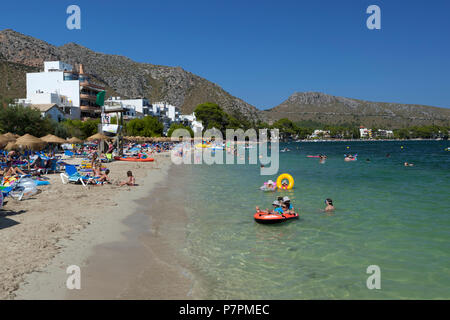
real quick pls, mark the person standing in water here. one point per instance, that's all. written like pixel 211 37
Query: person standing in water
pixel 329 205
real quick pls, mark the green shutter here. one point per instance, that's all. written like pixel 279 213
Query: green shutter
pixel 100 98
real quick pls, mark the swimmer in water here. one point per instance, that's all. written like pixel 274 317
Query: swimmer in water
pixel 406 164
pixel 329 205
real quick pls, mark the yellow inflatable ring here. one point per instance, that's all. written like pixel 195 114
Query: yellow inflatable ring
pixel 282 177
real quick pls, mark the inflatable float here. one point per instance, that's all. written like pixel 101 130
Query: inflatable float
pixel 313 156
pixel 270 218
pixel 268 186
pixel 134 159
pixel 285 176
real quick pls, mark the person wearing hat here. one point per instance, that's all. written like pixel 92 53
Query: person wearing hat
pixel 288 204
pixel 276 208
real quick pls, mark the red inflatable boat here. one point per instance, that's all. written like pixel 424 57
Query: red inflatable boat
pixel 134 159
pixel 267 218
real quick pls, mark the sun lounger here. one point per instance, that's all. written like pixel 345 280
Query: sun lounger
pixel 72 175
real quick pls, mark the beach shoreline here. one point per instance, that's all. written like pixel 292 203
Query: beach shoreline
pixel 64 225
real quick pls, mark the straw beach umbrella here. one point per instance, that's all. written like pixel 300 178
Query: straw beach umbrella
pixel 98 136
pixel 9 136
pixel 74 140
pixel 3 141
pixel 50 138
pixel 28 141
pixel 11 146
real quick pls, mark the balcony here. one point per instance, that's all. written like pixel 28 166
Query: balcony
pixel 90 109
pixel 88 96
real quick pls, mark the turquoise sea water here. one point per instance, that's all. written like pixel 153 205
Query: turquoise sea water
pixel 388 215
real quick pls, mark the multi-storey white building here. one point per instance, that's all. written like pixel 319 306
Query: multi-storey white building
pixel 60 84
pixel 191 120
pixel 141 106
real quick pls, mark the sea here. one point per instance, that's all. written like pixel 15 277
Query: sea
pixel 388 238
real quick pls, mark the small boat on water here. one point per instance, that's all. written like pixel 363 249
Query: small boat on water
pixel 134 159
pixel 271 218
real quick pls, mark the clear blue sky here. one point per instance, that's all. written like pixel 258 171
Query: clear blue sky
pixel 263 51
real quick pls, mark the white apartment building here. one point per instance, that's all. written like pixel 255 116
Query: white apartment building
pixel 191 120
pixel 365 133
pixel 60 84
pixel 141 105
pixel 320 133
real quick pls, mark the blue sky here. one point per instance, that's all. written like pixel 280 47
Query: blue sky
pixel 263 51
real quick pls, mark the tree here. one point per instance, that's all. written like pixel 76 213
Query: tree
pixel 211 116
pixel 175 126
pixel 81 129
pixel 20 120
pixel 148 126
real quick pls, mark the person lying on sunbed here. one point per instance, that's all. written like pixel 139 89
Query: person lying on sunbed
pixel 131 181
pixel 11 171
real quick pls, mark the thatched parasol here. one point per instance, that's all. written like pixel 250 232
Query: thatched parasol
pixel 11 146
pixel 74 140
pixel 3 141
pixel 28 141
pixel 9 136
pixel 50 138
pixel 98 136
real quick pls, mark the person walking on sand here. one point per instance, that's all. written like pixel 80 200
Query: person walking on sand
pixel 131 181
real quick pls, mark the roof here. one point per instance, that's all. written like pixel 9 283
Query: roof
pixel 45 107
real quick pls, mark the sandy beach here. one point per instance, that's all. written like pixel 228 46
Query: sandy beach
pixel 68 224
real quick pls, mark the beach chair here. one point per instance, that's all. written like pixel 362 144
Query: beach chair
pixel 72 175
pixel 69 153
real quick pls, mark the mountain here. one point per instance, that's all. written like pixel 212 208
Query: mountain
pixel 13 79
pixel 123 77
pixel 328 109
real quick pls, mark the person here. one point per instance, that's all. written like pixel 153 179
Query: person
pixel 329 205
pixel 11 171
pixel 104 177
pixel 289 206
pixel 322 158
pixel 406 164
pixel 276 208
pixel 130 181
pixel 97 170
pixel 283 209
pixel 280 201
pixel 94 158
pixel 110 147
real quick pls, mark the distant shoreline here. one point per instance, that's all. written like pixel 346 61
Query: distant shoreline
pixel 365 140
